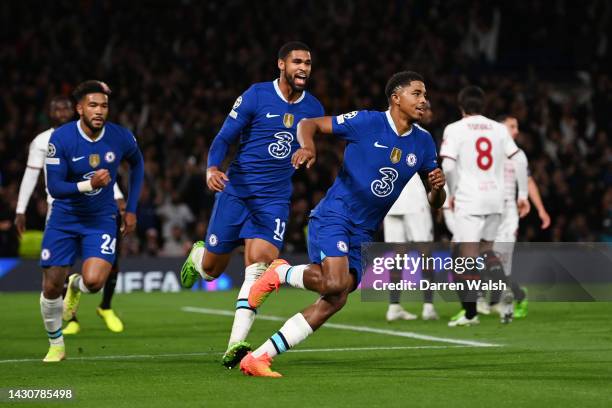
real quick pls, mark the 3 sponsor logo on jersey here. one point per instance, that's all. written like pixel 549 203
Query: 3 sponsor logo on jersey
pixel 384 186
pixel 411 159
pixel 45 254
pixel 109 157
pixel 342 247
pixel 213 240
pixel 51 150
pixel 270 115
pixel 282 147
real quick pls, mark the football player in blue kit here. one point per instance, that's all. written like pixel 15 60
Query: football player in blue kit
pixel 253 198
pixel 384 150
pixel 82 162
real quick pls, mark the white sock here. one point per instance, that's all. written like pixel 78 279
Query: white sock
pixel 294 331
pixel 51 311
pixel 196 257
pixel 245 315
pixel 294 276
pixel 78 284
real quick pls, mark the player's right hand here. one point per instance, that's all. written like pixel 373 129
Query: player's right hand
pixel 215 179
pixel 101 178
pixel 20 224
pixel 523 208
pixel 303 155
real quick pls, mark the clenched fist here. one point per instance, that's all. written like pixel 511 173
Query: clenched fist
pixel 436 179
pixel 101 178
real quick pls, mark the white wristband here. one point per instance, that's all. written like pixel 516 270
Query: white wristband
pixel 85 186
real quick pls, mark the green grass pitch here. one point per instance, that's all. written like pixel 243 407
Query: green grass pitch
pixel 561 355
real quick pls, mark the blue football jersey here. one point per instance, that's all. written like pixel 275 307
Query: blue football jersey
pixel 377 165
pixel 73 157
pixel 266 124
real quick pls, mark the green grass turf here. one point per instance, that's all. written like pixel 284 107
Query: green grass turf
pixel 561 355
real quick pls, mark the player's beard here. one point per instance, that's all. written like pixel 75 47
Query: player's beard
pixel 90 124
pixel 295 88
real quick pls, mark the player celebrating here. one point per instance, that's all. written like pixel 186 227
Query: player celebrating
pixel 252 200
pixel 82 161
pixel 474 149
pixel 508 229
pixel 61 111
pixel 384 150
pixel 409 220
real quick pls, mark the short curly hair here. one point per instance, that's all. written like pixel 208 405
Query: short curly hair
pixel 401 79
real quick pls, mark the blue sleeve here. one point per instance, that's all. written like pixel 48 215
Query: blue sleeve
pixel 57 170
pixel 430 157
pixel 240 116
pixel 350 125
pixel 134 157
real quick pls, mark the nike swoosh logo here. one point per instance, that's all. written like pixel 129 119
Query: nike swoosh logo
pixel 376 144
pixel 77 158
pixel 269 115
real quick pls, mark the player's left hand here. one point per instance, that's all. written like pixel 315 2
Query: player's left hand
pixel 128 224
pixel 523 207
pixel 545 218
pixel 303 155
pixel 436 179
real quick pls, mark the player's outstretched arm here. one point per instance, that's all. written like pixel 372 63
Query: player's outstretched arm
pixel 306 130
pixel 536 199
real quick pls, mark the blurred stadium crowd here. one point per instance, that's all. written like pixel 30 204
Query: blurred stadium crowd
pixel 176 68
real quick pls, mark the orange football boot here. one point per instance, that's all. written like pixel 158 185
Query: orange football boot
pixel 258 366
pixel 267 282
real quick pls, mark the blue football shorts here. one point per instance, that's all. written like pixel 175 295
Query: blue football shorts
pixel 330 235
pixel 235 219
pixel 68 236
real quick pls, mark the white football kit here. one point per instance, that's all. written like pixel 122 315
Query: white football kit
pixel 474 150
pixel 508 228
pixel 409 220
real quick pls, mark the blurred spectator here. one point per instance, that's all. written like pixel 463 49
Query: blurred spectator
pixel 174 214
pixel 176 245
pixel 9 244
pixel 177 67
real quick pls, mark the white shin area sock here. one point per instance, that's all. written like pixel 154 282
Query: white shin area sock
pixel 245 314
pixel 79 285
pixel 294 331
pixel 295 276
pixel 196 258
pixel 51 311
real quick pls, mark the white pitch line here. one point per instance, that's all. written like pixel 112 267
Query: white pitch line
pixel 365 329
pixel 209 353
